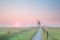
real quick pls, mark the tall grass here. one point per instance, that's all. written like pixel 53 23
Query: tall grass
pixel 25 34
pixel 53 34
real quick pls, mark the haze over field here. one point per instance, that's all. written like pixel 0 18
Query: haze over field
pixel 25 12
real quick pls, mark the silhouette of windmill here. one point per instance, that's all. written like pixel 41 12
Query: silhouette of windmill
pixel 38 22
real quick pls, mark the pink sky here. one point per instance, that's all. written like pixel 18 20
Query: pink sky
pixel 26 12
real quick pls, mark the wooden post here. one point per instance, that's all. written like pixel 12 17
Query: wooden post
pixel 47 34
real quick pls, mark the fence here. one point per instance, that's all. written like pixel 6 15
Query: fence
pixel 45 31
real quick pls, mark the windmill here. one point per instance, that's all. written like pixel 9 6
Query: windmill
pixel 38 22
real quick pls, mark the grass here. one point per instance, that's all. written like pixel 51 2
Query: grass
pixel 28 33
pixel 43 35
pixel 17 34
pixel 53 34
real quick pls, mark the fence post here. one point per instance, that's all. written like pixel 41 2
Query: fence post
pixel 47 34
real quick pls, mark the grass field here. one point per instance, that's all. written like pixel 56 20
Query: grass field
pixel 17 33
pixel 53 34
pixel 28 33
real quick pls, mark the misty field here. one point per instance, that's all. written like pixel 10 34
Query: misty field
pixel 17 33
pixel 53 34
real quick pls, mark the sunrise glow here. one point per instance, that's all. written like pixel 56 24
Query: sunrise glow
pixel 17 24
pixel 23 13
